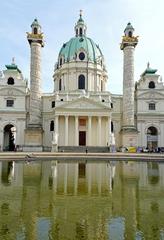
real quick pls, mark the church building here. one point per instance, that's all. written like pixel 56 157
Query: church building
pixel 80 113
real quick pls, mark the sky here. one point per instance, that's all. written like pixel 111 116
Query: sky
pixel 106 21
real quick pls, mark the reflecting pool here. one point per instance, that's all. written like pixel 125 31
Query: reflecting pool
pixel 81 200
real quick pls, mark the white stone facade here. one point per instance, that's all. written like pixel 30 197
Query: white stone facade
pixel 80 113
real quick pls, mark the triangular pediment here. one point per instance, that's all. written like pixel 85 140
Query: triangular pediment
pixel 151 95
pixel 82 103
pixel 11 92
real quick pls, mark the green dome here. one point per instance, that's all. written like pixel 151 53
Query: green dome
pixel 78 44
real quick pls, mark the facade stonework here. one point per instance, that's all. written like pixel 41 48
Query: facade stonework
pixel 80 114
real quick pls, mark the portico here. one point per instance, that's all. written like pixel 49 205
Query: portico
pixel 82 130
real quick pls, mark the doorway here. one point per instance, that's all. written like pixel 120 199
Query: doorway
pixel 82 138
pixel 9 138
pixel 152 138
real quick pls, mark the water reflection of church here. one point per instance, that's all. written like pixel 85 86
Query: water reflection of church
pixel 87 197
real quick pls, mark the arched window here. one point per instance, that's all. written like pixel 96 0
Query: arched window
pixel 81 31
pixel 112 127
pixel 130 34
pixel 76 32
pixel 152 131
pixel 81 82
pixel 152 138
pixel 60 84
pixel 10 81
pixel 35 30
pixel 52 126
pixel 151 84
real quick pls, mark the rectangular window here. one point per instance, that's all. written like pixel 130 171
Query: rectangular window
pixel 10 103
pixel 151 106
pixel 53 104
pixel 82 122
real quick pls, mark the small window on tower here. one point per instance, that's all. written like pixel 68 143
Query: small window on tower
pixel 81 31
pixel 61 61
pixel 52 126
pixel 53 104
pixel 112 127
pixel 10 81
pixel 151 106
pixel 35 30
pixel 10 103
pixel 60 85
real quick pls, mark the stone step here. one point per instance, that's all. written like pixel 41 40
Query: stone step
pixel 88 149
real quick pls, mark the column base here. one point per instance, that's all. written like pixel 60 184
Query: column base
pixel 33 139
pixel 129 136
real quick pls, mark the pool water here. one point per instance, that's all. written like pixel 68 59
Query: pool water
pixel 81 200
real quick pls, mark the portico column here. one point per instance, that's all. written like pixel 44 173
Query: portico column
pixel 56 124
pixel 99 131
pixel 76 131
pixel 66 130
pixel 89 130
pixel 109 130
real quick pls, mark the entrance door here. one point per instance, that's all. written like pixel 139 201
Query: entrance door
pixel 152 138
pixel 9 138
pixel 82 138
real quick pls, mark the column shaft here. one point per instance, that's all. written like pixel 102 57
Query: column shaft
pixel 128 87
pixel 56 124
pixel 66 130
pixel 99 131
pixel 76 131
pixel 109 130
pixel 89 131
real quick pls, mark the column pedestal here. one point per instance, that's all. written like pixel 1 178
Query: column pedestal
pixel 129 136
pixel 33 140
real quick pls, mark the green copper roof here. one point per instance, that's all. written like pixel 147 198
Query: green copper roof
pixel 13 67
pixel 149 70
pixel 70 49
pixel 80 20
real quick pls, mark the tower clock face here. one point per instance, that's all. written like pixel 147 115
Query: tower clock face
pixel 81 56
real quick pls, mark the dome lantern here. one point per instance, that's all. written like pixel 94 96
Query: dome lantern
pixel 80 27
